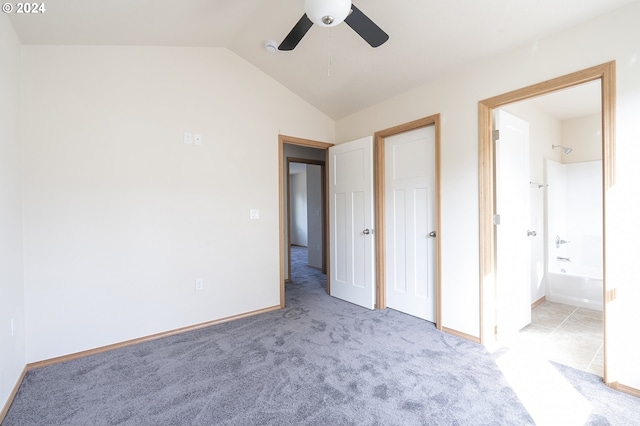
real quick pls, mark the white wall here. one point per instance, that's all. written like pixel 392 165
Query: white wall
pixel 584 135
pixel 298 188
pixel 315 222
pixel 12 348
pixel 121 216
pixel 615 36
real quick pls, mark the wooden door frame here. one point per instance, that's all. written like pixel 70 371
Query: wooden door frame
pixel 606 74
pixel 291 140
pixel 379 188
pixel 323 192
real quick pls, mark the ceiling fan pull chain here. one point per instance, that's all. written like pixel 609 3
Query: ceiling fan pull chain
pixel 329 52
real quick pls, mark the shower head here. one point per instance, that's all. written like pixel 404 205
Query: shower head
pixel 565 149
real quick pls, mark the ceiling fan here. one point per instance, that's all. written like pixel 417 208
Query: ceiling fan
pixel 329 13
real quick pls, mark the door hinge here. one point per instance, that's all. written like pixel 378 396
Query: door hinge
pixel 496 219
pixel 496 135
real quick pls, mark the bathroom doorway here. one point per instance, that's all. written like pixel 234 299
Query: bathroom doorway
pixel 557 139
pixel 560 201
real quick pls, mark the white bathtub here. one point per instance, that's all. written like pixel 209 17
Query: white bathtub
pixel 574 285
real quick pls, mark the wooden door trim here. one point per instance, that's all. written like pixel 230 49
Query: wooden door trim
pixel 606 73
pixel 379 187
pixel 291 140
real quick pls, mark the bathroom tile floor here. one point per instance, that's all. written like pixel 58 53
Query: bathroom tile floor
pixel 565 334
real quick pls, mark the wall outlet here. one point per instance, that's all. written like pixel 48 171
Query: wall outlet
pixel 254 214
pixel 199 284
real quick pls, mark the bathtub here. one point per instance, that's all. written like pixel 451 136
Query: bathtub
pixel 574 285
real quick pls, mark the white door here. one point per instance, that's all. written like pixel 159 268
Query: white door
pixel 410 225
pixel 513 283
pixel 352 276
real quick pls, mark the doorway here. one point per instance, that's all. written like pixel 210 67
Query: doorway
pixel 489 248
pixel 549 255
pixel 286 142
pixel 351 248
pixel 303 150
pixel 306 209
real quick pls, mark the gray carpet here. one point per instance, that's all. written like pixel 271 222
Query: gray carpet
pixel 319 361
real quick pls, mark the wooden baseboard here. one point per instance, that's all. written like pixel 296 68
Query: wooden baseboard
pixel 64 358
pixel 539 301
pixel 625 389
pixel 462 335
pixel 12 395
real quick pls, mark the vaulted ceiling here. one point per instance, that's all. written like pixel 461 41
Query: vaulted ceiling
pixel 332 69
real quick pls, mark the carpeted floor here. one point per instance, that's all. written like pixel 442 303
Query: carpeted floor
pixel 319 361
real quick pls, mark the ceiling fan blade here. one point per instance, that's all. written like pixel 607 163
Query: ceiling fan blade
pixel 295 35
pixel 365 27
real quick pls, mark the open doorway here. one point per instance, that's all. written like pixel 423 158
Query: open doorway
pixel 303 151
pixel 489 263
pixel 549 232
pixel 306 211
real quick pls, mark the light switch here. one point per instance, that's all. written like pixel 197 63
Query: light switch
pixel 254 214
pixel 188 137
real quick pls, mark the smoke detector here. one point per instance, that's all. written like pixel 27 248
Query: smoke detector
pixel 271 46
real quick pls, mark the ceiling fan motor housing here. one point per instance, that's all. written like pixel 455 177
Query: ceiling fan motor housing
pixel 327 13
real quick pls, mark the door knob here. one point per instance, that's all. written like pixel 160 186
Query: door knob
pixel 531 233
pixel 366 232
pixel 432 234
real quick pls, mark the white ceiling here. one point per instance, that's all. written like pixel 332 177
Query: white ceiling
pixel 427 37
pixel 576 101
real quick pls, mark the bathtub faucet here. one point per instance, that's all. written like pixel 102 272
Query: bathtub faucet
pixel 563 259
pixel 560 241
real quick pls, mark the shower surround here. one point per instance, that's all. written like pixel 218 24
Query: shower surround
pixel 574 233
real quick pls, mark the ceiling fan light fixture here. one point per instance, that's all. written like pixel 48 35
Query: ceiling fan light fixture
pixel 327 13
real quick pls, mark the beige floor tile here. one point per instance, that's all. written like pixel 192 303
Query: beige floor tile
pixel 597 364
pixel 576 330
pixel 597 370
pixel 569 341
pixel 537 329
pixel 572 357
pixel 548 318
pixel 556 307
pixel 565 334
pixel 592 313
